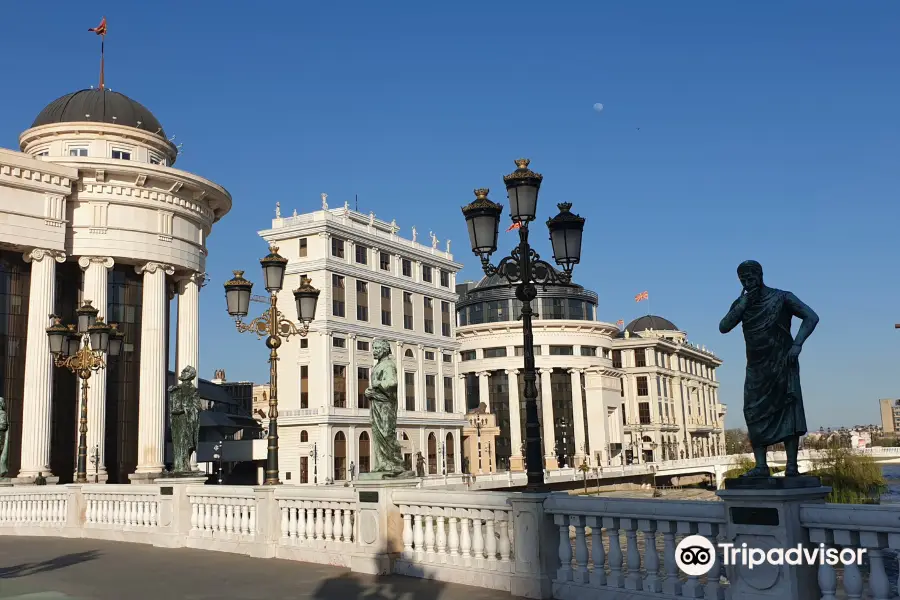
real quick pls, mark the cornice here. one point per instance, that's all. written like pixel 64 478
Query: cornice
pixel 40 134
pixel 332 326
pixel 24 172
pixel 543 326
pixel 112 192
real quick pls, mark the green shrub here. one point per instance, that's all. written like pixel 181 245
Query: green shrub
pixel 743 464
pixel 853 478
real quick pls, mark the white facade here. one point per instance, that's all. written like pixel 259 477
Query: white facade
pixel 102 195
pixel 374 284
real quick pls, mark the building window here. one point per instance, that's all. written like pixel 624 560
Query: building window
pixel 407 311
pixel 304 247
pixel 362 301
pixel 448 358
pixel 562 351
pixel 406 266
pixel 409 353
pixel 448 394
pixel 304 386
pixel 410 379
pixel 426 274
pixel 362 255
pixel 520 350
pixel 450 452
pixel 429 314
pixel 589 350
pixel 429 355
pixel 644 412
pixel 385 305
pixel 304 436
pixel 642 389
pixel 121 154
pixel 79 151
pixel 430 394
pixel 658 388
pixel 640 357
pixel 304 343
pixel 497 311
pixel 362 345
pixel 384 261
pixel 340 386
pixel 337 247
pixel 553 308
pixel 467 355
pixel 340 456
pixel 338 342
pixel 337 296
pixel 445 279
pixel 498 352
pixel 445 319
pixel 617 359
pixel 156 160
pixel 362 382
pixel 473 392
pixel 621 387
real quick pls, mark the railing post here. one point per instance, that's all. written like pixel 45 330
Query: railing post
pixel 536 538
pixel 764 518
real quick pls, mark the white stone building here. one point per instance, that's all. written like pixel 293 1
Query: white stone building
pixel 641 394
pixel 374 284
pixel 91 208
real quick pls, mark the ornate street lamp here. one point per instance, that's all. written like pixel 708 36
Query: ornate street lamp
pixel 275 327
pixel 314 454
pixel 525 269
pixel 81 348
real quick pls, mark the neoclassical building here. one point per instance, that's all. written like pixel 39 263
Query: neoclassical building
pixel 92 208
pixel 374 283
pixel 635 395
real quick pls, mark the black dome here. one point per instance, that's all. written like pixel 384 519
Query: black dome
pixel 99 106
pixel 650 322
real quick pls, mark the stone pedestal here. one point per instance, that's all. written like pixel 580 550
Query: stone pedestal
pixel 764 513
pixel 379 526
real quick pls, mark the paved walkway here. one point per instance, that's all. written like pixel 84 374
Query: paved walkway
pixel 76 569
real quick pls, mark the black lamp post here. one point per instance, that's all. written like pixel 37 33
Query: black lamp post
pixel 273 325
pixel 80 348
pixel 314 454
pixel 525 269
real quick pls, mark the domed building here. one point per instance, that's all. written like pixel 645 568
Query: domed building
pixel 92 209
pixel 639 394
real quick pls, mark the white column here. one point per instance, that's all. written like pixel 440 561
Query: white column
pixel 188 352
pixel 352 381
pixel 578 414
pixel 328 344
pixel 420 377
pixel 37 393
pixel 515 415
pixel 549 427
pixel 484 389
pixel 152 400
pixel 401 380
pixel 461 405
pixel 96 278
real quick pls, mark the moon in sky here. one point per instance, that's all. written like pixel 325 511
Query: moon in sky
pixel 598 107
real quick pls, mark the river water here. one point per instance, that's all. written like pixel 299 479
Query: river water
pixel 892 479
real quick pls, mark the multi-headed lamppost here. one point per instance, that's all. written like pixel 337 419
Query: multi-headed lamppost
pixel 273 325
pixel 525 269
pixel 80 349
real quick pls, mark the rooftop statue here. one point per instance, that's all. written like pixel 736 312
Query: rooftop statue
pixel 773 402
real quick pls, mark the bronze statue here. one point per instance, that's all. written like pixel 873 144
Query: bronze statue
pixel 184 417
pixel 4 439
pixel 773 403
pixel 382 396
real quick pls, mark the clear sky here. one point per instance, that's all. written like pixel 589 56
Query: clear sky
pixel 764 130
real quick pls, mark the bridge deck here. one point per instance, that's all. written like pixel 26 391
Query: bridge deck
pixel 78 569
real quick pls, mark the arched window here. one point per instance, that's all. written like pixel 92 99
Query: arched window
pixel 340 456
pixel 409 353
pixel 364 452
pixel 304 437
pixel 432 454
pixel 451 454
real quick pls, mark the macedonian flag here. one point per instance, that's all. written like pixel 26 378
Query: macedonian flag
pixel 101 28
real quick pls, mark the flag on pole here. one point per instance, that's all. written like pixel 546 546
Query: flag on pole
pixel 514 226
pixel 101 28
pixel 642 296
pixel 620 323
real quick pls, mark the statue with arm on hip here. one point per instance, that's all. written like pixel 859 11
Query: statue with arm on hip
pixel 773 402
pixel 184 417
pixel 382 395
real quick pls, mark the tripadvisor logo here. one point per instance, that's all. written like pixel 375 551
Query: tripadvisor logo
pixel 695 555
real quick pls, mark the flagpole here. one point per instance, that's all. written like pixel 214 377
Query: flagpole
pixel 102 58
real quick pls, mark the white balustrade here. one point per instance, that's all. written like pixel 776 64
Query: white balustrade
pixel 40 507
pixel 223 513
pixel 315 517
pixel 641 536
pixel 121 506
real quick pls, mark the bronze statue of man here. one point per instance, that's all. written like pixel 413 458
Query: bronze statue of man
pixel 382 396
pixel 773 403
pixel 184 417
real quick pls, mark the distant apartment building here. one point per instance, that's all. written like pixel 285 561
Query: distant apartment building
pixel 890 416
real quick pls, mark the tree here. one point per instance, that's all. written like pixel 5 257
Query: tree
pixel 737 441
pixel 584 468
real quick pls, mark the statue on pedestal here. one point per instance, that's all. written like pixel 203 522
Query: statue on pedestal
pixel 4 439
pixel 773 402
pixel 382 396
pixel 184 417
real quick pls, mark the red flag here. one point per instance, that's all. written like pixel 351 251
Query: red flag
pixel 514 226
pixel 620 322
pixel 642 296
pixel 101 28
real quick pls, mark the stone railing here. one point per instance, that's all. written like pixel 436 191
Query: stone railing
pixel 34 507
pixel 121 506
pixel 618 547
pixel 874 530
pixel 458 537
pixel 317 524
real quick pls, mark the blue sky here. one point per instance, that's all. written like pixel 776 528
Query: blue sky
pixel 763 130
